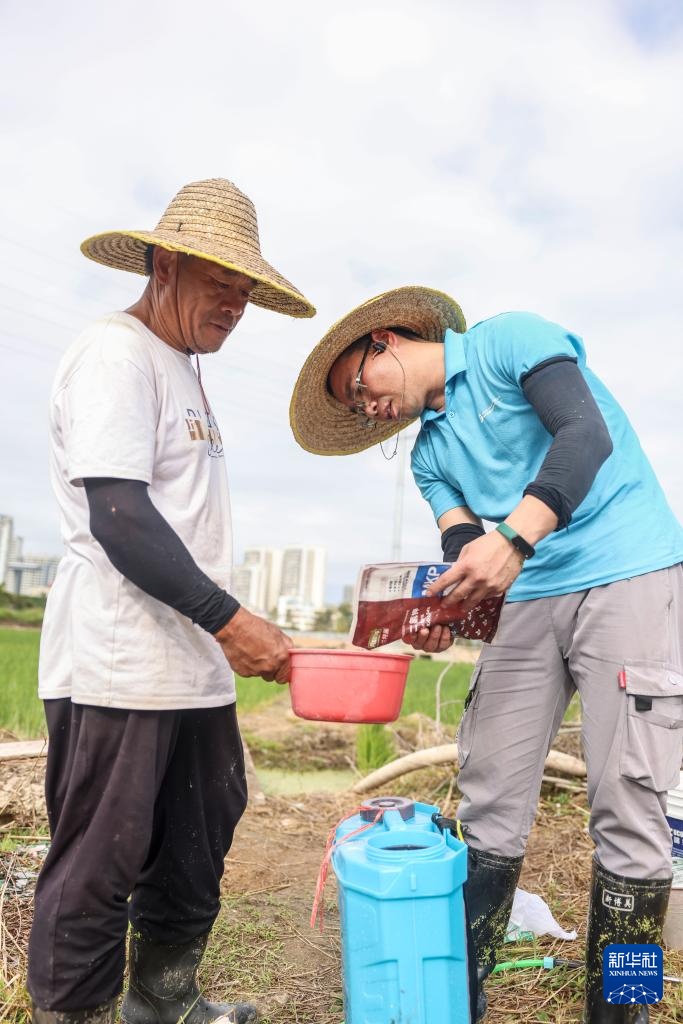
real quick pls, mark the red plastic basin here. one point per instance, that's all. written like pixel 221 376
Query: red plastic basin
pixel 348 686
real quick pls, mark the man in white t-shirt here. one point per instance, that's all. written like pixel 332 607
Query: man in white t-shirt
pixel 145 776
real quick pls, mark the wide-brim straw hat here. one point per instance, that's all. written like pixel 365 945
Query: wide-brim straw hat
pixel 213 220
pixel 323 425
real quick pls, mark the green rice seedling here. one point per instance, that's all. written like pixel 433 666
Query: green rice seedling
pixel 374 747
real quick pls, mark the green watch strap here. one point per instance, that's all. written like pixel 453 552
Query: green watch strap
pixel 522 546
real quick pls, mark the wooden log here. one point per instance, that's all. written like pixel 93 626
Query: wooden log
pixel 448 752
pixel 18 750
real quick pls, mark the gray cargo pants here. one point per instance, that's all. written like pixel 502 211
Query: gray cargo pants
pixel 621 647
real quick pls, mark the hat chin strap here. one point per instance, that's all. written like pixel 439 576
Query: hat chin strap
pixel 400 406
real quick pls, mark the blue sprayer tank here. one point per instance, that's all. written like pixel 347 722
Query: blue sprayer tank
pixel 402 914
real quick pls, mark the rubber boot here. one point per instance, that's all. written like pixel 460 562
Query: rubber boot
pixel 489 892
pixel 163 987
pixel 105 1014
pixel 639 918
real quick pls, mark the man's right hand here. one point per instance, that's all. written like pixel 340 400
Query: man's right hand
pixel 255 647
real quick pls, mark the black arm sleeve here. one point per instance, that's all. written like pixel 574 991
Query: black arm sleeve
pixel 146 550
pixel 565 406
pixel 453 539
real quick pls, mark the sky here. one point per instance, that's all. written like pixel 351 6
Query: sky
pixel 522 156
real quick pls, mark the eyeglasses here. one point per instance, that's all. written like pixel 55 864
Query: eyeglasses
pixel 359 402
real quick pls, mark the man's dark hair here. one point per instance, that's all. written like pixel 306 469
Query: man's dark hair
pixel 404 332
pixel 149 260
pixel 360 343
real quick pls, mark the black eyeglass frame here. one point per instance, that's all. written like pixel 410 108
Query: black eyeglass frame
pixel 358 386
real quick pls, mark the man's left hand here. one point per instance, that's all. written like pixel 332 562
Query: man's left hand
pixel 434 639
pixel 487 567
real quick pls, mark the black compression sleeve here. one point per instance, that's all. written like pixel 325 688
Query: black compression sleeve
pixel 145 549
pixel 565 406
pixel 453 539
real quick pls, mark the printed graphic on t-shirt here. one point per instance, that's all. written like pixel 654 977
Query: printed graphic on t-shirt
pixel 204 431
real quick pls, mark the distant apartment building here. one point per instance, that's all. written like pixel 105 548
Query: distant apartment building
pixel 268 562
pixel 246 586
pixel 347 593
pixel 303 574
pixel 256 582
pixel 267 575
pixel 6 539
pixel 294 613
pixel 31 576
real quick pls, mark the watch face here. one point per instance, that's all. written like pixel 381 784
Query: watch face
pixel 524 548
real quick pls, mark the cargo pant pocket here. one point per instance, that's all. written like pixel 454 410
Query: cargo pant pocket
pixel 652 745
pixel 465 733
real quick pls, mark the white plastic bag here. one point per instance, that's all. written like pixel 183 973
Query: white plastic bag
pixel 531 916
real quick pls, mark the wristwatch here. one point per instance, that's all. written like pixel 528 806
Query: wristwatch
pixel 525 549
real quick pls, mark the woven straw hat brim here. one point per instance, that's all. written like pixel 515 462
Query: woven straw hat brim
pixel 320 423
pixel 214 220
pixel 125 250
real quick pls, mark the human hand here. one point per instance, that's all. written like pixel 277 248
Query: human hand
pixel 255 647
pixel 487 567
pixel 433 639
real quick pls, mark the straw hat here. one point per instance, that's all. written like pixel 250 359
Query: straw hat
pixel 213 220
pixel 323 425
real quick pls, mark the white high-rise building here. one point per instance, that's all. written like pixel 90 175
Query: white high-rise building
pixel 267 575
pixel 268 563
pixel 6 537
pixel 246 586
pixel 303 574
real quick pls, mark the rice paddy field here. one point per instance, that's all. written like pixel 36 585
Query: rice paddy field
pixel 21 712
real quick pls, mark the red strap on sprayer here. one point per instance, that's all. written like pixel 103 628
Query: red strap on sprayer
pixel 330 846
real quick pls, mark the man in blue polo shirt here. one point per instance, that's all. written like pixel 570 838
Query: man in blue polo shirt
pixel 517 431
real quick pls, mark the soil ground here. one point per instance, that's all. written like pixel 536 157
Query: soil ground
pixel 263 947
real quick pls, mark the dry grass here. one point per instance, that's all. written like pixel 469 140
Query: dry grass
pixel 263 948
pixel 16 907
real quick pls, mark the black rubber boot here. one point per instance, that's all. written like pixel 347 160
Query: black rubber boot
pixel 163 987
pixel 489 892
pixel 105 1014
pixel 639 918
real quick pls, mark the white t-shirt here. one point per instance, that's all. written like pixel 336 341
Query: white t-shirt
pixel 127 405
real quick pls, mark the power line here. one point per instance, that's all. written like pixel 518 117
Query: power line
pixel 70 264
pixel 32 341
pixel 36 316
pixel 45 301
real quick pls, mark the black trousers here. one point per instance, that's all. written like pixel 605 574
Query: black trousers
pixel 142 808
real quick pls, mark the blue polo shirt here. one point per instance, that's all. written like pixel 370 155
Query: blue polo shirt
pixel 488 443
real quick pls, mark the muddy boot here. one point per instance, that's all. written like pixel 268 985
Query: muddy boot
pixel 489 892
pixel 639 918
pixel 163 987
pixel 105 1014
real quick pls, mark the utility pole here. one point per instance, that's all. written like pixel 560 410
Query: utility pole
pixel 403 438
